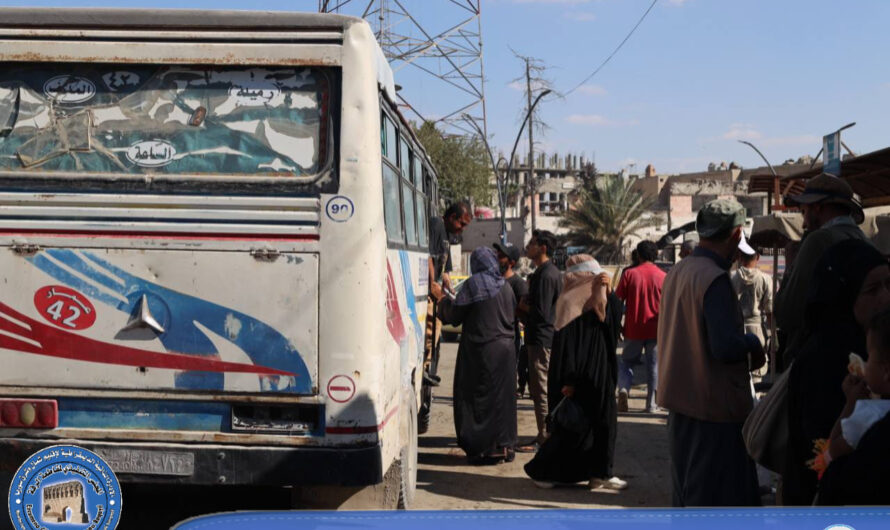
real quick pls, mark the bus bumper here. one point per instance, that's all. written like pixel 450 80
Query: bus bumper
pixel 199 464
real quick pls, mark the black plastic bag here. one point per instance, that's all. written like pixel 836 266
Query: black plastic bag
pixel 568 415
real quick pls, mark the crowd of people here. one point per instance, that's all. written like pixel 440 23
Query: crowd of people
pixel 702 332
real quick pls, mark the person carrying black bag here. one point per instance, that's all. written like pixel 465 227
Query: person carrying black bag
pixel 581 383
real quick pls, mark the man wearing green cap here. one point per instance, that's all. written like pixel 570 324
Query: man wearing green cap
pixel 830 215
pixel 704 365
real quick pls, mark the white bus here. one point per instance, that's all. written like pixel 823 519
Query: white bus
pixel 214 248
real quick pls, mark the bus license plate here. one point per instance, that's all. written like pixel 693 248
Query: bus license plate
pixel 149 462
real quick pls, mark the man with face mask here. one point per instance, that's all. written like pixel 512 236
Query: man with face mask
pixel 704 365
pixel 508 255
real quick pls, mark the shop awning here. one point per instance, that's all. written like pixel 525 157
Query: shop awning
pixel 868 175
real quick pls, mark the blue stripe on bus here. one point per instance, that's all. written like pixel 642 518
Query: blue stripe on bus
pixel 144 414
pixel 636 519
pixel 410 299
pixel 264 345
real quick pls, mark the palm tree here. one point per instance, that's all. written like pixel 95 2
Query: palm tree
pixel 607 212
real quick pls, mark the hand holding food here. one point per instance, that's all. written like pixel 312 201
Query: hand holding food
pixel 856 365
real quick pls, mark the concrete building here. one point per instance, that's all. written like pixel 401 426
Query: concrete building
pixel 558 179
pixel 676 198
pixel 680 196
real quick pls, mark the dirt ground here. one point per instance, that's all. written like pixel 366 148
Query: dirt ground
pixel 446 481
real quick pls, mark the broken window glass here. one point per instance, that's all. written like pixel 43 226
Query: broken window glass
pixel 181 120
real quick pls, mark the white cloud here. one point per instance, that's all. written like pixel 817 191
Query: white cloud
pixel 588 119
pixel 570 2
pixel 677 3
pixel 804 139
pixel 519 86
pixel 592 90
pixel 747 131
pixel 596 120
pixel 579 16
pixel 742 131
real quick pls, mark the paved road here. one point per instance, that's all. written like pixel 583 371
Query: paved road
pixel 446 481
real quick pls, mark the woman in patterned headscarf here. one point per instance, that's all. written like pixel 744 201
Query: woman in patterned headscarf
pixel 581 383
pixel 485 373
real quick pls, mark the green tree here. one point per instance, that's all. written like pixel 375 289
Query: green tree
pixel 607 212
pixel 461 162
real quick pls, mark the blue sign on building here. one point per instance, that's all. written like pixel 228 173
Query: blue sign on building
pixel 831 153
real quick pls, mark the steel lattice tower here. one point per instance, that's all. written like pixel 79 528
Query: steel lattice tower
pixel 450 51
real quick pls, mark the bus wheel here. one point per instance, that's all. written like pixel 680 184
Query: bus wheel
pixel 408 453
pixel 426 403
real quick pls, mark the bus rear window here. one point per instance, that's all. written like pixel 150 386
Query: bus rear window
pixel 174 120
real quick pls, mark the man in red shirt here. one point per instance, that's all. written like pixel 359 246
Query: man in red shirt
pixel 640 288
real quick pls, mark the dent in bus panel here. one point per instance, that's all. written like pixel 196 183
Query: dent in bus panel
pixel 103 119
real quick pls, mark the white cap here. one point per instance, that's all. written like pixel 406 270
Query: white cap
pixel 745 247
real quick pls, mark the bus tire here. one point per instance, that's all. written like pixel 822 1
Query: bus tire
pixel 426 403
pixel 408 454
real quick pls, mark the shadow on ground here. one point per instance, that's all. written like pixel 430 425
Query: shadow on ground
pixel 445 472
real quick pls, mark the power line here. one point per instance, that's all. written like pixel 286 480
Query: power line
pixel 609 58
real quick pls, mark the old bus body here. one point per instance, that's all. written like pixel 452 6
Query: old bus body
pixel 213 247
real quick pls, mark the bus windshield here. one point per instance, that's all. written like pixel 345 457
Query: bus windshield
pixel 175 120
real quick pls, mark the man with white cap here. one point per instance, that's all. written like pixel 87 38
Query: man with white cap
pixel 754 288
pixel 704 365
pixel 830 215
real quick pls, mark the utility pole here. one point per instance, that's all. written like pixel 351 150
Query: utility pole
pixel 532 184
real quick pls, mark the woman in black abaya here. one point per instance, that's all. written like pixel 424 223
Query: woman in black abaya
pixel 485 373
pixel 583 371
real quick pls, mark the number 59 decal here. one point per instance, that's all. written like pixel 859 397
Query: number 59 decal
pixel 64 307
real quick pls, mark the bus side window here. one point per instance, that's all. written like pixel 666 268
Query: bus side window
pixel 391 205
pixel 388 130
pixel 418 175
pixel 405 158
pixel 422 229
pixel 408 195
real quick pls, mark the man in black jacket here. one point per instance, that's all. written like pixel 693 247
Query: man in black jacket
pixel 539 309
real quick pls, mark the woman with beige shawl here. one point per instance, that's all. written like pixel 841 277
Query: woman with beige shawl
pixel 583 372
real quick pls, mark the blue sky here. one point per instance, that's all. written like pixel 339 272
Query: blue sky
pixel 696 76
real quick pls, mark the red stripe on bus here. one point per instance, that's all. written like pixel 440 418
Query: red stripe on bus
pixel 55 342
pixel 166 235
pixel 362 429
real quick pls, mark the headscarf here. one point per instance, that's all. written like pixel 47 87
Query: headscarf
pixel 486 280
pixel 579 293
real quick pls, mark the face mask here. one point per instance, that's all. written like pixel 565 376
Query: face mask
pixel 503 267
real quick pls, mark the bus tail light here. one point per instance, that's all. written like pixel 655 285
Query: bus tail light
pixel 29 413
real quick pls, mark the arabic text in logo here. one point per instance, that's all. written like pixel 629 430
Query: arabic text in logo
pixel 151 153
pixel 69 89
pixel 64 485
